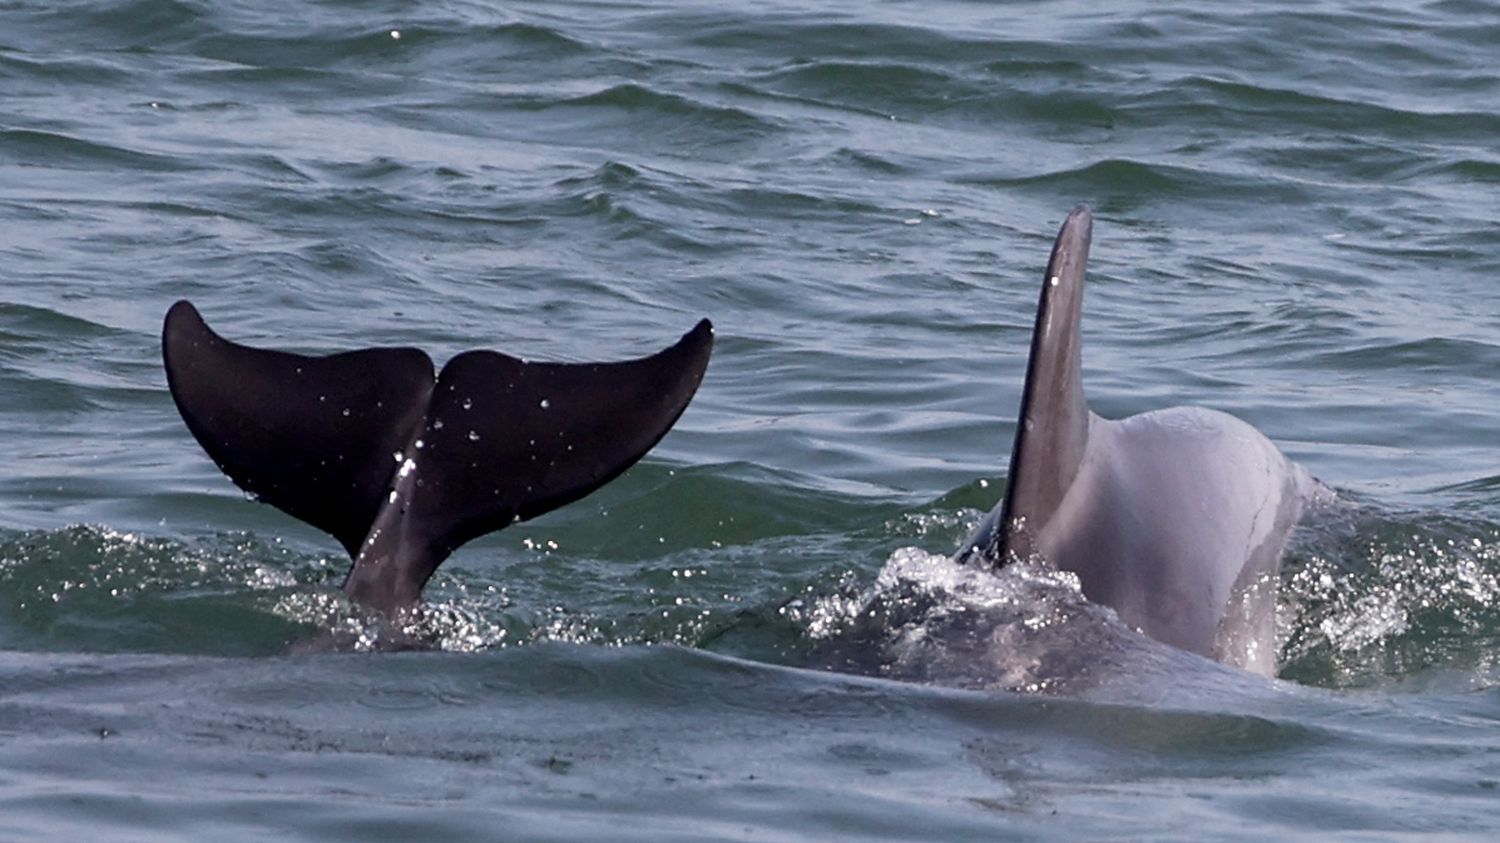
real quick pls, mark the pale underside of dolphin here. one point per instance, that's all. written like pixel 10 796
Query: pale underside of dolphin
pixel 402 464
pixel 1175 518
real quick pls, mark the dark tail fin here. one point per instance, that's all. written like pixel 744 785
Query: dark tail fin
pixel 403 468
pixel 312 436
pixel 1052 431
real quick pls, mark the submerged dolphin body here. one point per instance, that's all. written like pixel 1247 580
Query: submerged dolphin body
pixel 403 466
pixel 1174 518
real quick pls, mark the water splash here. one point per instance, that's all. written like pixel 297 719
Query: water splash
pixel 1371 595
pixel 926 618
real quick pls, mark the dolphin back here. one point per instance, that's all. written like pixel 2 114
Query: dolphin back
pixel 401 466
pixel 1175 518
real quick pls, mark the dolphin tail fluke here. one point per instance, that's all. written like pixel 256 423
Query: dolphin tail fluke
pixel 1053 428
pixel 403 468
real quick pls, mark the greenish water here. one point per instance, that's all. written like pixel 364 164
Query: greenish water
pixel 754 634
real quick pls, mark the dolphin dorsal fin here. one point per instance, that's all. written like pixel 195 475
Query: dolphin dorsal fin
pixel 491 440
pixel 1052 430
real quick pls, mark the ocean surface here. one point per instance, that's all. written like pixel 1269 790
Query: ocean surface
pixel 756 633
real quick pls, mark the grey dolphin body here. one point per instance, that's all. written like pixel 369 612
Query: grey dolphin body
pixel 403 465
pixel 1175 518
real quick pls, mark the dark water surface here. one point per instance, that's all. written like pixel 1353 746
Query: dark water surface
pixel 1296 222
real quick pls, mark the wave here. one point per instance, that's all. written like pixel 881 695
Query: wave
pixel 36 147
pixel 1154 181
pixel 1450 355
pixel 1322 110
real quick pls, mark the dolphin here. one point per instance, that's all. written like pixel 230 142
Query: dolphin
pixel 402 465
pixel 1175 518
